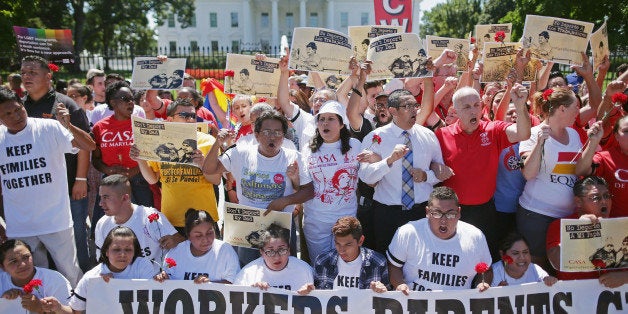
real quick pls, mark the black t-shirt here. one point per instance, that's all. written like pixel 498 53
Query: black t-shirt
pixel 43 108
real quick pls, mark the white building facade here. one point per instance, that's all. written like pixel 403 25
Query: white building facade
pixel 257 25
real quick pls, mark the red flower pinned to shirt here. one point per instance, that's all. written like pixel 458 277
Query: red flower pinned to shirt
pixel 481 268
pixel 473 40
pixel 53 67
pixel 229 73
pixel 598 263
pixel 33 284
pixel 377 139
pixel 170 262
pixel 507 259
pixel 500 36
pixel 153 217
pixel 619 98
pixel 547 93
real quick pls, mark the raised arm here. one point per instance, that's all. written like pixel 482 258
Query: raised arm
pixel 589 111
pixel 595 133
pixel 521 130
pixel 283 90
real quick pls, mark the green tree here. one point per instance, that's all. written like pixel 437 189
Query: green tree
pixel 495 10
pixel 454 18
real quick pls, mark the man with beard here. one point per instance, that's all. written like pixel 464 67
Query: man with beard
pixel 471 147
pixel 593 202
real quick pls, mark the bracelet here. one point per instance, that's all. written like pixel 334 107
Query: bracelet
pixel 80 179
pixel 357 92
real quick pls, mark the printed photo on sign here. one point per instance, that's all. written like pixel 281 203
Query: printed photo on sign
pixel 499 59
pixel 244 224
pixel 599 45
pixel 151 73
pixel 587 247
pixel 54 45
pixel 165 141
pixel 397 56
pixel 320 79
pixel 555 39
pixel 252 76
pixel 361 37
pixel 486 33
pixel 436 45
pixel 321 50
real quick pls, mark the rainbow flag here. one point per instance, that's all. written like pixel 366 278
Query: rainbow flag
pixel 211 85
pixel 232 119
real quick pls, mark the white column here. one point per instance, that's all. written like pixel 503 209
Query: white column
pixel 302 16
pixel 330 14
pixel 416 15
pixel 274 24
pixel 247 22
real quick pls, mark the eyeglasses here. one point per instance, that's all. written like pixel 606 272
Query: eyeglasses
pixel 315 100
pixel 124 98
pixel 187 115
pixel 598 198
pixel 272 253
pixel 437 214
pixel 272 133
pixel 410 106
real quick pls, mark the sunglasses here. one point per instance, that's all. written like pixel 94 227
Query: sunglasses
pixel 187 115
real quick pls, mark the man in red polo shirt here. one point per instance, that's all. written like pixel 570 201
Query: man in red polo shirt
pixel 471 148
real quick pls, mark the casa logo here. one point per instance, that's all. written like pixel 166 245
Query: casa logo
pixel 621 175
pixel 278 178
pixel 577 262
pixel 484 139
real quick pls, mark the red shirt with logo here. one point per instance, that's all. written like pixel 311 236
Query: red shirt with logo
pixel 613 167
pixel 474 158
pixel 114 139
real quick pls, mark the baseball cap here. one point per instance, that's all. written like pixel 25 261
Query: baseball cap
pixel 333 106
pixel 381 94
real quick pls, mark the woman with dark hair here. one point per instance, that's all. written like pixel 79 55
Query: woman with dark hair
pixel 331 162
pixel 276 268
pixel 120 258
pixel 202 257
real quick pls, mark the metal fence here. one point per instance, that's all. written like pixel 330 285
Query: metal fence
pixel 205 61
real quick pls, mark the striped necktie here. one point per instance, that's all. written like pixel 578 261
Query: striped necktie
pixel 407 191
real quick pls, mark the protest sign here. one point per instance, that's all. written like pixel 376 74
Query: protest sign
pixel 499 59
pixel 599 45
pixel 585 246
pixel 319 49
pixel 395 13
pixel 54 45
pixel 327 80
pixel 436 45
pixel 252 76
pixel 165 141
pixel 554 39
pixel 152 73
pixel 184 296
pixel 397 56
pixel 361 37
pixel 242 224
pixel 486 33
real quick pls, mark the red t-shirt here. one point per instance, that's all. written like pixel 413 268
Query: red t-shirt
pixel 244 130
pixel 114 138
pixel 473 158
pixel 614 169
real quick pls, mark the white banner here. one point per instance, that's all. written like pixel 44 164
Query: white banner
pixel 179 296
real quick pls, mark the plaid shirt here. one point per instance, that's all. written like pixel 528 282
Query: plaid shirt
pixel 374 268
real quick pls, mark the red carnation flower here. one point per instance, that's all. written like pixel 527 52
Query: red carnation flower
pixel 473 40
pixel 481 268
pixel 547 93
pixel 377 139
pixel 231 95
pixel 53 67
pixel 33 284
pixel 619 98
pixel 229 73
pixel 170 262
pixel 598 263
pixel 500 36
pixel 507 259
pixel 153 217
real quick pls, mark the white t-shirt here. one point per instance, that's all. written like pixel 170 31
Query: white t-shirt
pixel 550 193
pixel 292 277
pixel 430 263
pixel 250 139
pixel 534 273
pixel 304 126
pixel 53 285
pixel 141 268
pixel 34 178
pixel 219 263
pixel 348 274
pixel 260 179
pixel 147 233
